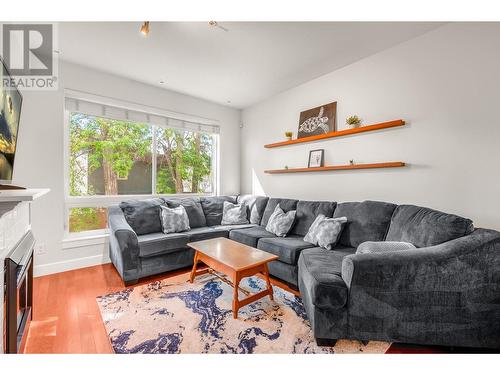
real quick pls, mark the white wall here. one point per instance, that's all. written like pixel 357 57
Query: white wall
pixel 445 84
pixel 39 158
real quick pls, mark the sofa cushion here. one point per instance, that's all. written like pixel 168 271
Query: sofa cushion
pixel 255 205
pixel 213 207
pixel 250 236
pixel 285 204
pixel 366 221
pixel 321 273
pixel 193 210
pixel 160 243
pixel 143 216
pixel 206 233
pixel 424 227
pixel 286 248
pixel 377 247
pixel 229 228
pixel 307 212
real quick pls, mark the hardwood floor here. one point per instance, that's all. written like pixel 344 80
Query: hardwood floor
pixel 67 319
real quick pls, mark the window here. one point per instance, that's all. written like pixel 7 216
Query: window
pixel 87 218
pixel 183 162
pixel 108 158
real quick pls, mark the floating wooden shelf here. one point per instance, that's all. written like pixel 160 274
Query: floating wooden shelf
pixel 340 133
pixel 393 164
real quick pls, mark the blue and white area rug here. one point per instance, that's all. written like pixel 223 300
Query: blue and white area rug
pixel 179 317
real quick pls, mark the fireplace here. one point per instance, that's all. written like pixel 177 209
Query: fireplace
pixel 18 297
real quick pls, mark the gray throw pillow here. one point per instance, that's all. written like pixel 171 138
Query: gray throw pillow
pixel 255 215
pixel 280 222
pixel 369 247
pixel 233 214
pixel 174 220
pixel 143 215
pixel 325 232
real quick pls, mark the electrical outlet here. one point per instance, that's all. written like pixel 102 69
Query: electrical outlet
pixel 40 249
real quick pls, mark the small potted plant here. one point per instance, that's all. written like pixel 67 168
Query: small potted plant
pixel 288 136
pixel 353 121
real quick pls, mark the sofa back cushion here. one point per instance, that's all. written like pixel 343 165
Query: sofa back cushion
pixel 307 212
pixel 424 227
pixel 213 208
pixel 366 221
pixel 193 210
pixel 143 216
pixel 255 206
pixel 285 204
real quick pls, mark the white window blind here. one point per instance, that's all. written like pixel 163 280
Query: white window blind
pixel 153 117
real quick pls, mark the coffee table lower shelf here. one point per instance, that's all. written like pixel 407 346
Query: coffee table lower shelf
pixel 236 276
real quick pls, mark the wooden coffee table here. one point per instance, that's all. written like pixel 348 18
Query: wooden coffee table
pixel 236 261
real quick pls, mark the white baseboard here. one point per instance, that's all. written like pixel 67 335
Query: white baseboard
pixel 71 264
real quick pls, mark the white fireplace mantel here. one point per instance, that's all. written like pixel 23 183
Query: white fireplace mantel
pixel 11 198
pixel 26 195
pixel 15 221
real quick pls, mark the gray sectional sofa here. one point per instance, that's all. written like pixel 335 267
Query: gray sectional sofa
pixel 446 291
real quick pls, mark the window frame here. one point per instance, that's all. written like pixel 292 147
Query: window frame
pixel 109 200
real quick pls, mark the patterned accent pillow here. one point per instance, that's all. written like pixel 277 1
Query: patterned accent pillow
pixel 325 232
pixel 174 220
pixel 233 214
pixel 369 247
pixel 280 222
pixel 311 233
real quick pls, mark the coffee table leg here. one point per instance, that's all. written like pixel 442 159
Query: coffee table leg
pixel 236 284
pixel 193 271
pixel 268 282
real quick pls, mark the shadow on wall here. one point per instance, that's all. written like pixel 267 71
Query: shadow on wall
pixel 257 188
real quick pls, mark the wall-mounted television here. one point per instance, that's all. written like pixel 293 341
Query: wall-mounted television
pixel 10 112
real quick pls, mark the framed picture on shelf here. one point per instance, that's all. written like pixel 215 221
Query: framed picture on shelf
pixel 319 120
pixel 316 159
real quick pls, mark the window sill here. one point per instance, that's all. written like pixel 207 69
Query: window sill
pixel 107 200
pixel 85 239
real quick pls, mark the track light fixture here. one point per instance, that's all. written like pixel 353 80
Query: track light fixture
pixel 215 24
pixel 145 28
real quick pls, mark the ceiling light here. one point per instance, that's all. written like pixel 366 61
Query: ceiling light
pixel 215 24
pixel 145 28
pixel 162 82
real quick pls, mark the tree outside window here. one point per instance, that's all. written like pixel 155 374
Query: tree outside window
pixel 115 157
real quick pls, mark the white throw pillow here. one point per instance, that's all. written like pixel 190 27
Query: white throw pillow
pixel 174 220
pixel 280 222
pixel 233 214
pixel 325 232
pixel 369 247
pixel 311 233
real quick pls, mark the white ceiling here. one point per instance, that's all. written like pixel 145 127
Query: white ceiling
pixel 244 65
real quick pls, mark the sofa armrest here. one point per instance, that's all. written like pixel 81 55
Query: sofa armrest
pixel 462 266
pixel 123 245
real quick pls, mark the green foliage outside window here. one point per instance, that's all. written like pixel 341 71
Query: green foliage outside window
pixel 87 218
pixel 106 155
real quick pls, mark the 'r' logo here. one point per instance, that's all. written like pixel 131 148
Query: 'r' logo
pixel 27 49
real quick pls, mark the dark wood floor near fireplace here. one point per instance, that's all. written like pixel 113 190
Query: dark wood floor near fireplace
pixel 67 320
